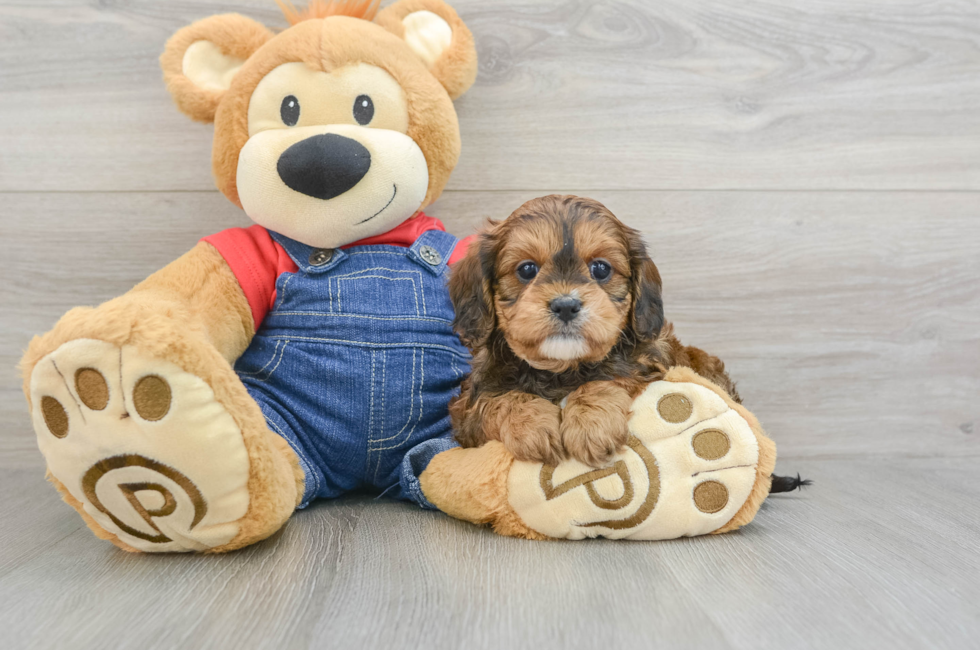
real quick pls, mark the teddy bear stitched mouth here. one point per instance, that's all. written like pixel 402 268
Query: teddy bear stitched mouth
pixel 394 192
pixel 324 166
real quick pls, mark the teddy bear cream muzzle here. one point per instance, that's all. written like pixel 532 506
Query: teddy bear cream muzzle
pixel 329 185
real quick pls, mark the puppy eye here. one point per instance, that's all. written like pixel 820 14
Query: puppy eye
pixel 289 110
pixel 363 109
pixel 527 270
pixel 600 270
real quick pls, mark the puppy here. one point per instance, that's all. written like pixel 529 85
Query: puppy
pixel 560 305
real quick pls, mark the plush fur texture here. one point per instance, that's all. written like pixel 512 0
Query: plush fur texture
pixel 326 44
pixel 93 525
pixel 193 314
pixel 364 9
pixel 456 68
pixel 234 35
pixel 471 484
pixel 767 449
pixel 509 323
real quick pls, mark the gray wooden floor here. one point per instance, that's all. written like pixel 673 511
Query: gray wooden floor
pixel 808 176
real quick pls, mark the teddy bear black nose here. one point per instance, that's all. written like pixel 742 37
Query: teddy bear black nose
pixel 324 166
pixel 566 308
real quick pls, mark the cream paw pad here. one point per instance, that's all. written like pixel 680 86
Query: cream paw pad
pixel 144 446
pixel 689 467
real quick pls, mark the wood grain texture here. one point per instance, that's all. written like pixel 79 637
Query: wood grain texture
pixel 600 95
pixel 874 555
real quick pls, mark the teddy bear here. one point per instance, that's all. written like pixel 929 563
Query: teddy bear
pixel 312 353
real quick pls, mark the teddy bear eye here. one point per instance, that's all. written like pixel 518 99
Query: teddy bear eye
pixel 600 270
pixel 527 270
pixel 363 110
pixel 289 110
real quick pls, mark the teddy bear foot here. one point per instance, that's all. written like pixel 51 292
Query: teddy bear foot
pixel 142 449
pixel 696 463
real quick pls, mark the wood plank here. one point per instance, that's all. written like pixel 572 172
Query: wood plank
pixel 848 318
pixel 805 94
pixel 875 554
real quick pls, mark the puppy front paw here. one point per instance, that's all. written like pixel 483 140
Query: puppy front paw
pixel 532 431
pixel 594 423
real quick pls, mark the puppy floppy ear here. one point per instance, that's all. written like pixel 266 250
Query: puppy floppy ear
pixel 436 34
pixel 471 290
pixel 647 311
pixel 200 60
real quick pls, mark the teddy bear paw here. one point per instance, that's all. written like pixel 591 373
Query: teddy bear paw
pixel 141 446
pixel 689 465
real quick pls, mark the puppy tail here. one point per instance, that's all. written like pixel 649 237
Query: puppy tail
pixel 788 483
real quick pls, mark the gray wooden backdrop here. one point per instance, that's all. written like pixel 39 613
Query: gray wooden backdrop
pixel 807 174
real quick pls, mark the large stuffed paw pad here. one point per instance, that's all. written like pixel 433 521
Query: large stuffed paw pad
pixel 689 466
pixel 144 446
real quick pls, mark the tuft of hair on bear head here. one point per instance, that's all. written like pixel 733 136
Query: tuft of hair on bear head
pixel 365 9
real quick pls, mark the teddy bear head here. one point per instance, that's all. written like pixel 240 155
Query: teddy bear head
pixel 337 128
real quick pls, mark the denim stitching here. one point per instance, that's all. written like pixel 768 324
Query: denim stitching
pixel 358 274
pixel 282 354
pixel 411 409
pixel 435 239
pixel 371 411
pixel 275 353
pixel 282 294
pixel 384 419
pixel 384 378
pixel 378 441
pixel 299 452
pixel 415 293
pixel 421 407
pixel 377 268
pixel 370 438
pixel 428 319
pixel 434 346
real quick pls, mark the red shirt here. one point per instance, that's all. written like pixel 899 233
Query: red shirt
pixel 257 260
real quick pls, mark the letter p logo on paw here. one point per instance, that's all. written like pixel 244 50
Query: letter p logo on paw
pixel 689 465
pixel 190 500
pixel 142 445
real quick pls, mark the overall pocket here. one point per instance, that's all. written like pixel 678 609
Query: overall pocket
pixel 398 405
pixel 379 291
pixel 261 359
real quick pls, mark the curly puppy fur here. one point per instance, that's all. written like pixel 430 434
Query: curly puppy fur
pixel 559 303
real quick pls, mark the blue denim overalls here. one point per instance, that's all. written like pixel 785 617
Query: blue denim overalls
pixel 356 362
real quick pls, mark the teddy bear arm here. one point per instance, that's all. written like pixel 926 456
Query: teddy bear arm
pixel 141 386
pixel 696 463
pixel 195 296
pixel 202 288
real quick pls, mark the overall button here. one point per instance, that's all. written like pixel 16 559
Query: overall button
pixel 321 256
pixel 430 255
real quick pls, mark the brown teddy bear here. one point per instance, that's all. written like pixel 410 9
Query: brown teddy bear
pixel 312 353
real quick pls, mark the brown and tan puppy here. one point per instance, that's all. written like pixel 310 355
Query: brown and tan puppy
pixel 561 306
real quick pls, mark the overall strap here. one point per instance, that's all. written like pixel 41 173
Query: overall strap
pixel 308 259
pixel 432 250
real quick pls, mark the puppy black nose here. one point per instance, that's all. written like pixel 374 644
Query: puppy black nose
pixel 566 308
pixel 324 166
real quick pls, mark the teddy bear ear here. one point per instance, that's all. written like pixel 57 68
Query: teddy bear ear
pixel 438 36
pixel 200 60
